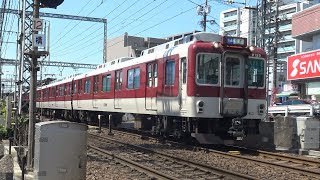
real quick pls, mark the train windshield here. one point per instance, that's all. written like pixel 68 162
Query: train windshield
pixel 208 69
pixel 256 72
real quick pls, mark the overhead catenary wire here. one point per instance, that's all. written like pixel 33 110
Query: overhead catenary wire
pixel 134 20
pixel 166 20
pixel 76 24
pixel 79 34
pixel 76 14
pixel 70 48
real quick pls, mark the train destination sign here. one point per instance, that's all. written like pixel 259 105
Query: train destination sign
pixel 234 41
pixel 304 66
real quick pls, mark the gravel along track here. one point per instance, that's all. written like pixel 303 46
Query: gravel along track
pixel 102 166
pixel 251 168
pixel 170 167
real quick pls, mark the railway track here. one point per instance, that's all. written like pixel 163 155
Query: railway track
pixel 295 164
pixel 158 164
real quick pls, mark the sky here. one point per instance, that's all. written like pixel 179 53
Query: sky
pixel 82 42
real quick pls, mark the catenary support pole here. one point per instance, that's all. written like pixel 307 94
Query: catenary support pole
pixel 32 94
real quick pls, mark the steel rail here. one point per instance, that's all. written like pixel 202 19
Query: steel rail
pixel 283 166
pixel 135 165
pixel 204 167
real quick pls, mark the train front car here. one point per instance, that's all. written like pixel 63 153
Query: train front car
pixel 225 89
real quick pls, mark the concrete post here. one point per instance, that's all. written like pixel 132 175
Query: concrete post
pixel 9 110
pixel 99 118
pixel 110 127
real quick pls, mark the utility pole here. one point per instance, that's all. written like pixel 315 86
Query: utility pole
pixel 205 17
pixel 203 11
pixel 275 53
pixel 32 94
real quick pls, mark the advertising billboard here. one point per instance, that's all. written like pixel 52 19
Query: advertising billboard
pixel 304 66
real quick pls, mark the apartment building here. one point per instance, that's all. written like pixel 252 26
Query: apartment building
pixel 240 22
pixel 130 46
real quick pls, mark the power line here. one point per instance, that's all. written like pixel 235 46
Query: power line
pixel 141 31
pixel 77 24
pixel 66 51
pixel 76 14
pixel 78 35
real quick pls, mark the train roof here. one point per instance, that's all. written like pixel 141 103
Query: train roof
pixel 149 55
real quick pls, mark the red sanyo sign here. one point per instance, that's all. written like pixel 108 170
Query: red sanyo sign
pixel 304 66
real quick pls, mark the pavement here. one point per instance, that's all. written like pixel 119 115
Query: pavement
pixel 17 172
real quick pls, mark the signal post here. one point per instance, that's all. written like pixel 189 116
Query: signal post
pixel 38 40
pixel 33 88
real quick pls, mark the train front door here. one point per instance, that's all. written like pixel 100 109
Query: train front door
pixel 234 86
pixel 151 87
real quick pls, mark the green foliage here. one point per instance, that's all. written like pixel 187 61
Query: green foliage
pixel 3 132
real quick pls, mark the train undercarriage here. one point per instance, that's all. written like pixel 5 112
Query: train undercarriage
pixel 201 130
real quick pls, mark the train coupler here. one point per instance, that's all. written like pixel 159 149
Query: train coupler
pixel 237 129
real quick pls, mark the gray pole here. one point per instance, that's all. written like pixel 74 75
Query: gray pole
pixel 205 18
pixel 275 54
pixel 32 94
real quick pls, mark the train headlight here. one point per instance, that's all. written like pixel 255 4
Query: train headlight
pixel 200 105
pixel 215 44
pixel 261 108
pixel 252 48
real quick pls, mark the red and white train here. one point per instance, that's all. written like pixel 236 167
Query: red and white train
pixel 204 85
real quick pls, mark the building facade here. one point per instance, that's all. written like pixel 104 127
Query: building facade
pixel 130 46
pixel 306 28
pixel 240 22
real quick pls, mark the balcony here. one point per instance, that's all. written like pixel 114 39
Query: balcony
pixel 230 18
pixel 229 28
pixel 287 38
pixel 285 27
pixel 286 49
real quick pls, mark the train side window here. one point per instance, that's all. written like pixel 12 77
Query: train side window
pixel 80 86
pixel 155 74
pixel 106 83
pixel 53 91
pixel 118 80
pixel 208 69
pixel 149 75
pixel 170 72
pixel 96 84
pixel 60 90
pixel 74 88
pixel 134 78
pixel 87 86
pixel 184 70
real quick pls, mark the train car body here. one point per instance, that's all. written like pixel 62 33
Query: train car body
pixel 205 86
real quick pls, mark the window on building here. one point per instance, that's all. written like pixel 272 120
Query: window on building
pixel 208 69
pixel 118 80
pixel 133 78
pixel 96 84
pixel 170 72
pixel 106 83
pixel 87 86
